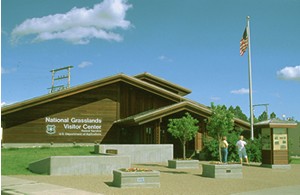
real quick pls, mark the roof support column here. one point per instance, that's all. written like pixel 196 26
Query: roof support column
pixel 157 131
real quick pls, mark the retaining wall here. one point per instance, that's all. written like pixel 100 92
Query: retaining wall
pixel 80 165
pixel 140 153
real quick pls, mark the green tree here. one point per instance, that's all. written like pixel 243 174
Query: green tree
pixel 220 123
pixel 238 113
pixel 184 129
pixel 273 115
pixel 255 120
pixel 263 116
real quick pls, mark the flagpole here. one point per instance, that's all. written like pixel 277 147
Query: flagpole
pixel 250 77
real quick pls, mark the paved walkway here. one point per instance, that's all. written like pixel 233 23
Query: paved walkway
pixel 286 190
pixel 256 181
pixel 16 186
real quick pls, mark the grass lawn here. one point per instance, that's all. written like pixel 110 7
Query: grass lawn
pixel 295 161
pixel 14 161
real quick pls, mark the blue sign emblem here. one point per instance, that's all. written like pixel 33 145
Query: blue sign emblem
pixel 50 129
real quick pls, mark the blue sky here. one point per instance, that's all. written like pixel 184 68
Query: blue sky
pixel 193 43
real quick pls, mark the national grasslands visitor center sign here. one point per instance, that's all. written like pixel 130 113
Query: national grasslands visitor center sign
pixel 119 109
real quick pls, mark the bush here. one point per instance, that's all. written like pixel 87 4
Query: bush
pixel 254 148
pixel 211 148
pixel 232 138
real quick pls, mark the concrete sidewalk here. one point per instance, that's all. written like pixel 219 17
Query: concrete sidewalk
pixel 16 186
pixel 256 180
pixel 286 190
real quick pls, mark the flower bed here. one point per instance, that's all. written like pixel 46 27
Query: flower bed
pixel 136 177
pixel 135 170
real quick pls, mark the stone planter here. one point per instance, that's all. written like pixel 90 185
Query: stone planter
pixel 150 179
pixel 222 170
pixel 183 164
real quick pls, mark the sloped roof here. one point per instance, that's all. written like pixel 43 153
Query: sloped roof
pixel 276 123
pixel 89 86
pixel 188 106
pixel 182 102
pixel 151 115
pixel 163 83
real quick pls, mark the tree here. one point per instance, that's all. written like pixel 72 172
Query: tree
pixel 238 113
pixel 220 123
pixel 263 116
pixel 184 128
pixel 272 115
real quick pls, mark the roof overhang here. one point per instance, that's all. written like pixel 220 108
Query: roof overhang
pixel 180 103
pixel 147 77
pixel 276 123
pixel 187 106
pixel 152 115
pixel 89 86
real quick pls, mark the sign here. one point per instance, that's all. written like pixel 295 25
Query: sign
pixel 280 139
pixel 72 126
pixel 140 180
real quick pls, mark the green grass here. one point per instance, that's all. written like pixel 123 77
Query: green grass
pixel 295 161
pixel 15 161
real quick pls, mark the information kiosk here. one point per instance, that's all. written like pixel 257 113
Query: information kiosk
pixel 274 136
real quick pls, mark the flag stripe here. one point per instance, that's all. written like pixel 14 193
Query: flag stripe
pixel 244 43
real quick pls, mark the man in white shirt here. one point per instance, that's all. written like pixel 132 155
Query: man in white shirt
pixel 242 150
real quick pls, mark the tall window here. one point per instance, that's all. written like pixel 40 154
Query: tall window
pixel 149 135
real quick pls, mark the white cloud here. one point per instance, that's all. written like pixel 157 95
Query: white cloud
pixel 165 58
pixel 7 70
pixel 84 64
pixel 79 25
pixel 6 104
pixel 215 98
pixel 289 73
pixel 240 91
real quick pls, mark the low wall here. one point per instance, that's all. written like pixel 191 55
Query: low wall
pixel 183 164
pixel 80 165
pixel 40 145
pixel 140 153
pixel 222 170
pixel 136 179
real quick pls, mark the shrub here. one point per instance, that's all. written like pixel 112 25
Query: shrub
pixel 211 147
pixel 254 148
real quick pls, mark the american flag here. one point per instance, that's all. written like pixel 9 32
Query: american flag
pixel 244 43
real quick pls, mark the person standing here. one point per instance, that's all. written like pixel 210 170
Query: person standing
pixel 242 150
pixel 224 149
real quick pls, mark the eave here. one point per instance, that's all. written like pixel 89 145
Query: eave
pixel 187 106
pixel 147 77
pixel 90 86
pixel 276 123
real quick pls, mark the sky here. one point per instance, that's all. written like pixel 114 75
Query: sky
pixel 192 43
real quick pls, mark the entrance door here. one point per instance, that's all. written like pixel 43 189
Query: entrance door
pixel 149 135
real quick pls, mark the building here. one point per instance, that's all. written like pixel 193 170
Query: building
pixel 119 109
